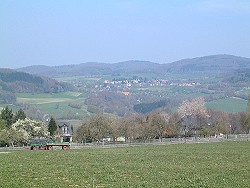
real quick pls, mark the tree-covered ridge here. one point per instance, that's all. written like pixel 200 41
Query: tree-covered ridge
pixel 11 76
pixel 212 64
pixel 148 107
pixel 12 81
pixel 241 75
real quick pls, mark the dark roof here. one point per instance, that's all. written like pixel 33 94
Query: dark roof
pixel 65 124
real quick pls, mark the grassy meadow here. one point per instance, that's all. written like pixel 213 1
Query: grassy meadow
pixel 185 165
pixel 233 105
pixel 56 104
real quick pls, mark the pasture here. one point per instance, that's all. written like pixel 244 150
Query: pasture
pixel 223 164
pixel 232 105
pixel 56 104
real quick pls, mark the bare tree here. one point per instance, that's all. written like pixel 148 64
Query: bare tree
pixel 83 133
pixel 95 129
pixel 99 127
pixel 219 122
pixel 156 123
pixel 130 127
pixel 173 127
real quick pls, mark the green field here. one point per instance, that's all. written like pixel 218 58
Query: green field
pixel 245 91
pixel 56 104
pixel 185 165
pixel 233 105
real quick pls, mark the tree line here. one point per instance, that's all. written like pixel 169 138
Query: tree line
pixel 12 76
pixel 191 119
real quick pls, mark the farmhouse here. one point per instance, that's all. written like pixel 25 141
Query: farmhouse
pixel 66 132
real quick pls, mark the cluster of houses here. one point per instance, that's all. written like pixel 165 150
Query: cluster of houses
pixel 128 84
pixel 122 84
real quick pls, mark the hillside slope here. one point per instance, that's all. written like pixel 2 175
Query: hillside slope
pixel 14 81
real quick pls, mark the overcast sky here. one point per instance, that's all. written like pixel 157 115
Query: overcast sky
pixel 59 32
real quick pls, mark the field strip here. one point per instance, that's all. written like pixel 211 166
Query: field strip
pixel 4 152
pixel 42 100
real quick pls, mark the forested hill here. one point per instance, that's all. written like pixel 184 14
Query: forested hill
pixel 13 81
pixel 211 64
pixel 206 64
pixel 93 68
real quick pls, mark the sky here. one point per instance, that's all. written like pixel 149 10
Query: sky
pixel 63 32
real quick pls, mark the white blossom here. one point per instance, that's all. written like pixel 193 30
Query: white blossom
pixel 193 107
pixel 30 128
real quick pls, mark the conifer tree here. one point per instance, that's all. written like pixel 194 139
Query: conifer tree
pixel 7 115
pixel 20 115
pixel 52 126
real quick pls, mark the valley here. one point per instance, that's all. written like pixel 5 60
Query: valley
pixel 75 92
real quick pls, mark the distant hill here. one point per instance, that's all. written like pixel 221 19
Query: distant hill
pixel 14 81
pixel 207 64
pixel 92 68
pixel 38 70
pixel 213 63
pixel 136 67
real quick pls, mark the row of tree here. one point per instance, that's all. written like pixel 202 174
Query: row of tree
pixel 191 119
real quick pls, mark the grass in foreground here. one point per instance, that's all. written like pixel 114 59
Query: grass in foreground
pixel 184 165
